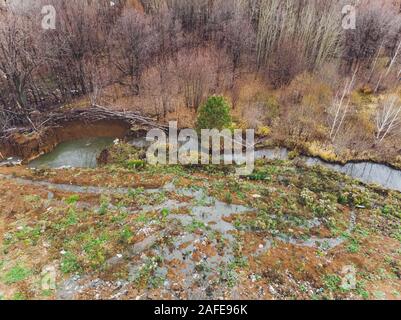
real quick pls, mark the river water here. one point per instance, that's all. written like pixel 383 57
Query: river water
pixel 84 152
pixel 367 172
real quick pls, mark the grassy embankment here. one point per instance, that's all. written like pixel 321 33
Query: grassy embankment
pixel 110 246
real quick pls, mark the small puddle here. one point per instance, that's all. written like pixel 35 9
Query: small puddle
pixel 207 210
pixel 316 242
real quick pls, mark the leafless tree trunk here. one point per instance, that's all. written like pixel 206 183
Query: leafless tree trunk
pixel 131 40
pixel 340 107
pixel 20 57
pixel 388 70
pixel 195 70
pixel 388 118
pixel 311 25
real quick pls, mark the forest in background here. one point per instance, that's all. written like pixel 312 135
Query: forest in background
pixel 288 68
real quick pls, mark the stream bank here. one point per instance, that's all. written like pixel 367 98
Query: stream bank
pixel 78 144
pixel 30 146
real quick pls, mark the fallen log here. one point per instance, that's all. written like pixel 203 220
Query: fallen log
pixel 98 113
pixel 87 115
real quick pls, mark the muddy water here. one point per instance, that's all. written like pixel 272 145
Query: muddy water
pixel 80 153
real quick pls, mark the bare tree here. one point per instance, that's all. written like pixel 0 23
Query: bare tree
pixel 167 33
pixel 80 35
pixel 195 72
pixel 376 23
pixel 239 45
pixel 20 57
pixel 192 15
pixel 131 40
pixel 4 119
pixel 310 25
pixel 339 109
pixel 388 118
pixel 390 66
pixel 96 77
pixel 285 65
pixel 255 114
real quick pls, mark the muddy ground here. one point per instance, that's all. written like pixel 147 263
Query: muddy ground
pixel 128 231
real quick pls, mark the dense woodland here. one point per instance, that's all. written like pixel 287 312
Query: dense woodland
pixel 288 67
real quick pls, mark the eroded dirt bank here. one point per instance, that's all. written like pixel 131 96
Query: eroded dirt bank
pixel 28 146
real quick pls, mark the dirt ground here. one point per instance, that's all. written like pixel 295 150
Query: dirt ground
pixel 287 232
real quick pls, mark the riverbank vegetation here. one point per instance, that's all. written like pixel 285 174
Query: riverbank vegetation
pixel 287 68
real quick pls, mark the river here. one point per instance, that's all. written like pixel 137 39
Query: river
pixel 83 153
